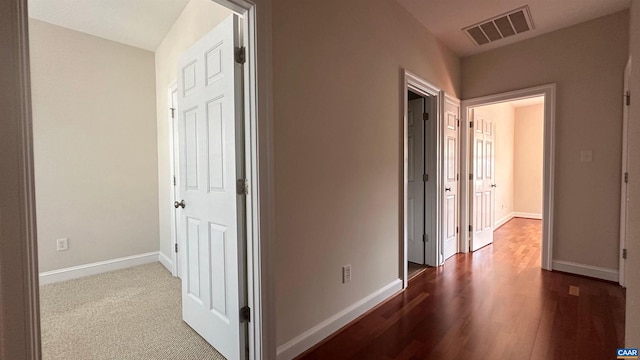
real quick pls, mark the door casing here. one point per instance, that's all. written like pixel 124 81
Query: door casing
pixel 549 93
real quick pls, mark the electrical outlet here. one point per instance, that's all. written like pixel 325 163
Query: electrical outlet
pixel 346 274
pixel 62 244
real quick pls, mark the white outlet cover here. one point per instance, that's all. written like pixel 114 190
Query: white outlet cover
pixel 62 244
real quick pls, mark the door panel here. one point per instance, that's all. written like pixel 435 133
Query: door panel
pixel 416 188
pixel 211 224
pixel 483 197
pixel 450 179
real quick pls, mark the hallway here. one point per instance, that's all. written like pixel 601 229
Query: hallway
pixel 493 304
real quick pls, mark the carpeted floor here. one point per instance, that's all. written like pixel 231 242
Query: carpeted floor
pixel 131 314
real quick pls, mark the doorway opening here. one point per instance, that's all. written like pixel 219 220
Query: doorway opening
pixel 100 159
pixel 508 159
pixel 506 165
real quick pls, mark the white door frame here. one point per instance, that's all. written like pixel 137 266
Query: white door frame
pixel 416 84
pixel 625 170
pixel 21 324
pixel 173 180
pixel 549 93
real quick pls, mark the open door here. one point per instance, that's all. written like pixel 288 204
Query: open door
pixel 416 189
pixel 211 211
pixel 451 177
pixel 624 201
pixel 483 194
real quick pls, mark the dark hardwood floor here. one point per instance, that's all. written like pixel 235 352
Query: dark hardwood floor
pixel 493 304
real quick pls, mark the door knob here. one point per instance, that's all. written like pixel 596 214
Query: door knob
pixel 494 185
pixel 181 204
pixel 447 189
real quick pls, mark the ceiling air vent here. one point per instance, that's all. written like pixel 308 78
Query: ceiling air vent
pixel 511 23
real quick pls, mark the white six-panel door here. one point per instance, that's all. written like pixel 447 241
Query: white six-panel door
pixel 211 223
pixel 415 191
pixel 451 158
pixel 483 184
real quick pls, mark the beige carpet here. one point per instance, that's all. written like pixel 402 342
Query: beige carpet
pixel 128 314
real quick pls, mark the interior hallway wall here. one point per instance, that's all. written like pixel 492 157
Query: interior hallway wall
pixel 528 160
pixel 586 62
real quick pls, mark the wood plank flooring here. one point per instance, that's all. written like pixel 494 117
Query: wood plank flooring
pixel 493 304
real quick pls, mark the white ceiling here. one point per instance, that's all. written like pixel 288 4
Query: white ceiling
pixel 139 23
pixel 446 18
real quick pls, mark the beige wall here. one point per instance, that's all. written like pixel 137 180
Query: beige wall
pixel 528 159
pixel 197 19
pixel 632 264
pixel 586 61
pixel 338 137
pixel 95 147
pixel 503 116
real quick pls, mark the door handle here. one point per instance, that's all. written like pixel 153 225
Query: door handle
pixel 181 204
pixel 494 185
pixel 447 189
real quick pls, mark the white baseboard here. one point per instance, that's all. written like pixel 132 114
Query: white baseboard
pixel 586 270
pixel 503 221
pixel 166 261
pixel 311 337
pixel 74 272
pixel 527 215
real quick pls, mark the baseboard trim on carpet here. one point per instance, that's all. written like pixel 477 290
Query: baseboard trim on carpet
pixel 586 270
pixel 527 215
pixel 311 337
pixel 166 261
pixel 503 221
pixel 74 272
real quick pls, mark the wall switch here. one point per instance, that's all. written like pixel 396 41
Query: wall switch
pixel 586 156
pixel 62 244
pixel 346 274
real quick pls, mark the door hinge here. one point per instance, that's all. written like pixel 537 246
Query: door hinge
pixel 470 176
pixel 425 238
pixel 470 228
pixel 173 113
pixel 627 98
pixel 425 177
pixel 242 187
pixel 626 178
pixel 425 116
pixel 175 248
pixel 624 253
pixel 458 122
pixel 245 314
pixel 241 55
pixel 457 229
pixel 457 177
pixel 471 124
pixel 174 181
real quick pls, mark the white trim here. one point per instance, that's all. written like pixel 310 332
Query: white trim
pixel 586 270
pixel 165 261
pixel 415 83
pixel 549 93
pixel 527 215
pixel 313 336
pixel 503 221
pixel 74 272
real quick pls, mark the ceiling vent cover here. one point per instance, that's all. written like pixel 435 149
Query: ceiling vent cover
pixel 511 23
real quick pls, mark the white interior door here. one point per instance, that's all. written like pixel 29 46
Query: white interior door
pixel 483 194
pixel 416 188
pixel 174 150
pixel 451 158
pixel 211 222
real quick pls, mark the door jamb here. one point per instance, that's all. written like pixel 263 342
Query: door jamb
pixel 549 93
pixel 173 181
pixel 416 84
pixel 625 169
